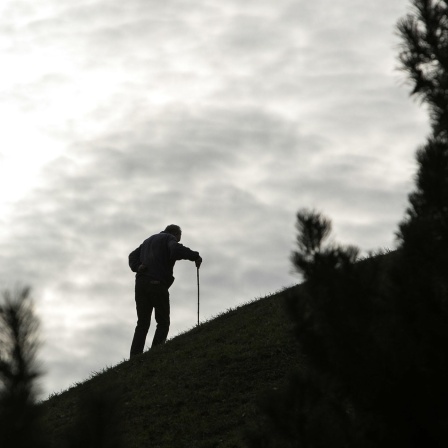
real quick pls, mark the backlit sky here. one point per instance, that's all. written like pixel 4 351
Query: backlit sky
pixel 118 118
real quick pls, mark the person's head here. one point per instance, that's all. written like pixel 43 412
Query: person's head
pixel 174 230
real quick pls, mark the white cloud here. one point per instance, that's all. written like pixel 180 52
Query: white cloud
pixel 222 118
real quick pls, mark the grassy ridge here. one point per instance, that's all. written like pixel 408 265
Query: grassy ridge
pixel 198 390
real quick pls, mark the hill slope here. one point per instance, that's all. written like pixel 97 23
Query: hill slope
pixel 198 390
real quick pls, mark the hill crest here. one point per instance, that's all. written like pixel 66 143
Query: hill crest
pixel 199 389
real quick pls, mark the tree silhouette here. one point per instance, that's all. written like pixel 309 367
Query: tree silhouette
pixel 19 414
pixel 424 57
pixel 21 426
pixel 373 334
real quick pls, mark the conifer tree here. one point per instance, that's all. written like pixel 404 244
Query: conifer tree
pixel 19 413
pixel 424 57
pixel 21 426
pixel 374 334
pixel 421 278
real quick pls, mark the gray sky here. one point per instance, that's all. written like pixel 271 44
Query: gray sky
pixel 119 118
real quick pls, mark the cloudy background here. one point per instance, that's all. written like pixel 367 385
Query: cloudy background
pixel 118 118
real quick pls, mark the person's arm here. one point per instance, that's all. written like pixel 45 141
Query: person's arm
pixel 180 252
pixel 134 259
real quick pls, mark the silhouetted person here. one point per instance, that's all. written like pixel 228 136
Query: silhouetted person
pixel 153 261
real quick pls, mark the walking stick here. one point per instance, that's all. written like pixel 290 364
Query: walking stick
pixel 197 270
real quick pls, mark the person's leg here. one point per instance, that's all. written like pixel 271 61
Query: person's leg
pixel 162 315
pixel 144 308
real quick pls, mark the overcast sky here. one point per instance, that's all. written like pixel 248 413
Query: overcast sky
pixel 118 118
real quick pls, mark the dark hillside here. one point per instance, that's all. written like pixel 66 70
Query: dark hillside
pixel 198 390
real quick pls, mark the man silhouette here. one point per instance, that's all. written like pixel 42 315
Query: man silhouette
pixel 153 262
